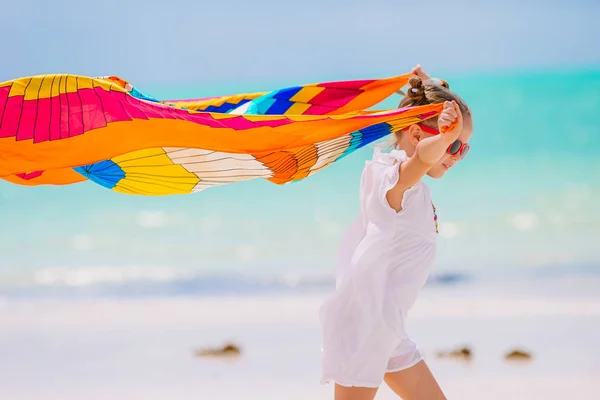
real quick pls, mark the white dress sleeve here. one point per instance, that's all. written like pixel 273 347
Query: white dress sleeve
pixel 380 175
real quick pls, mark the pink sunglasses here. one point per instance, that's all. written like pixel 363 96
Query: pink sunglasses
pixel 456 148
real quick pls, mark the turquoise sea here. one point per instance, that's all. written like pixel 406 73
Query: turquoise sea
pixel 525 200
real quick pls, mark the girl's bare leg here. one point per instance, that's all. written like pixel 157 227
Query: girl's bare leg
pixel 354 393
pixel 415 383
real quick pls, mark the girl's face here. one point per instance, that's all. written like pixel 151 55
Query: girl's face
pixel 448 160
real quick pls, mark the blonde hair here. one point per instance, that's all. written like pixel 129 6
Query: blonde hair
pixel 419 93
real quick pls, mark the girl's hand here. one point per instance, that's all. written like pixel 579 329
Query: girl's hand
pixel 427 80
pixel 450 121
pixel 418 70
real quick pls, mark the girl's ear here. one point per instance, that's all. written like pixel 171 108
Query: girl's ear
pixel 415 134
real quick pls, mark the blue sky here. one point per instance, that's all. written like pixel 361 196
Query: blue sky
pixel 238 41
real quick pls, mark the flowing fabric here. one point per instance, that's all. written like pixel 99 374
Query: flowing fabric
pixel 63 129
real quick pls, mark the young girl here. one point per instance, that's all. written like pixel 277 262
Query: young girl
pixel 386 253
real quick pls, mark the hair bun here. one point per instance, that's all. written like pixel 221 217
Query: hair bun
pixel 443 83
pixel 417 90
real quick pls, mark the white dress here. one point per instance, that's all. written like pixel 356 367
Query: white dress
pixel 384 260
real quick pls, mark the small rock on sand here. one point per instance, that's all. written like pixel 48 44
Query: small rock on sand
pixel 228 350
pixel 518 355
pixel 464 353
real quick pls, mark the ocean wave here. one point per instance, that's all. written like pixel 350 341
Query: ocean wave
pixel 164 280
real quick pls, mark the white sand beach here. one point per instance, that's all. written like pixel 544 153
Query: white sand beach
pixel 144 348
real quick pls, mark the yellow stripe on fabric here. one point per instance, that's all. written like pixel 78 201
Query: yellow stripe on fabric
pixel 85 82
pixel 19 86
pixel 71 84
pixel 297 109
pixel 152 172
pixel 145 187
pixel 306 94
pixel 55 85
pixel 45 88
pixel 33 89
